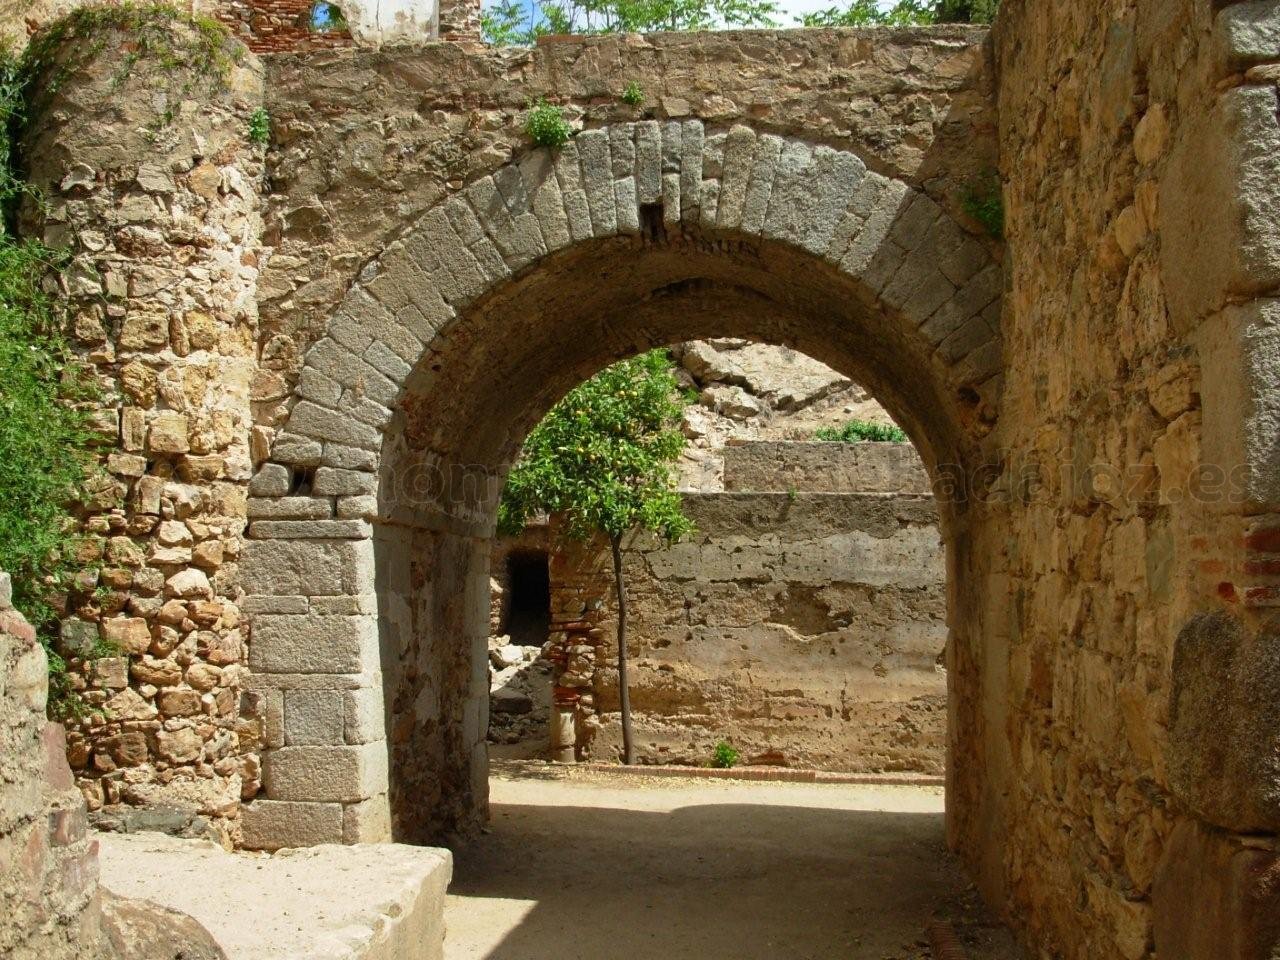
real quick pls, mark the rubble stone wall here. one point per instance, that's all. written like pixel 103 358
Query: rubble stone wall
pixel 49 905
pixel 153 187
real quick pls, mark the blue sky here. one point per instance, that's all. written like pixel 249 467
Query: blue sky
pixel 791 9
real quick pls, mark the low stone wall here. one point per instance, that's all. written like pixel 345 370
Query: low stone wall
pixel 48 866
pixel 825 468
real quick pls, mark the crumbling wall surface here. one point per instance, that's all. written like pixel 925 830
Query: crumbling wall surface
pixel 20 18
pixel 806 629
pixel 826 468
pixel 49 906
pixel 1127 650
pixel 151 186
pixel 277 26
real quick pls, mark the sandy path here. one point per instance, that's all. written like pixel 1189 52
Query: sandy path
pixel 581 867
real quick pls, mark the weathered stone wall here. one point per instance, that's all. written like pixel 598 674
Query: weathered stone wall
pixel 804 628
pixel 357 161
pixel 1126 647
pixel 278 26
pixel 153 187
pixel 825 468
pixel 49 907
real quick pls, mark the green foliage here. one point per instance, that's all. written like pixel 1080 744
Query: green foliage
pixel 862 431
pixel 260 127
pixel 633 95
pixel 903 13
pixel 603 457
pixel 326 17
pixel 45 441
pixel 967 11
pixel 725 756
pixel 509 22
pixel 546 125
pixel 12 113
pixel 985 203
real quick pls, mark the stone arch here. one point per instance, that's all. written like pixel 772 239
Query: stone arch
pixel 367 565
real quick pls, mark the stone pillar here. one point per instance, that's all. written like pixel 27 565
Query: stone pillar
pixel 563 736
pixel 152 184
pixel 316 666
pixel 49 907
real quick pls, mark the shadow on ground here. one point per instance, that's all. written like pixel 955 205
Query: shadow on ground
pixel 706 881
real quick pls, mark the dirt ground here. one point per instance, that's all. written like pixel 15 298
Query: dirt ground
pixel 583 866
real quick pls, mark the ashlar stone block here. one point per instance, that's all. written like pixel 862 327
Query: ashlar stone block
pixel 290 643
pixel 274 824
pixel 764 166
pixel 313 717
pixel 739 149
pixel 344 774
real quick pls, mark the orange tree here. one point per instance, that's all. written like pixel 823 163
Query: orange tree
pixel 602 459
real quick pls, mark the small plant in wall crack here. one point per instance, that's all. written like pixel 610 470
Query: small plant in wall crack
pixel 546 126
pixel 725 756
pixel 633 95
pixel 260 127
pixel 984 201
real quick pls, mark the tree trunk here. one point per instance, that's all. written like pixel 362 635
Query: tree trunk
pixel 624 694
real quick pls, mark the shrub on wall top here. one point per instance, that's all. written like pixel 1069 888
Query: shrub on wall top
pixel 862 431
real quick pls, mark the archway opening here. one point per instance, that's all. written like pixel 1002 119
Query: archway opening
pixel 456 341
pixel 480 388
pixel 802 623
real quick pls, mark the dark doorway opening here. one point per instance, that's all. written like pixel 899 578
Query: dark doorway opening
pixel 529 607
